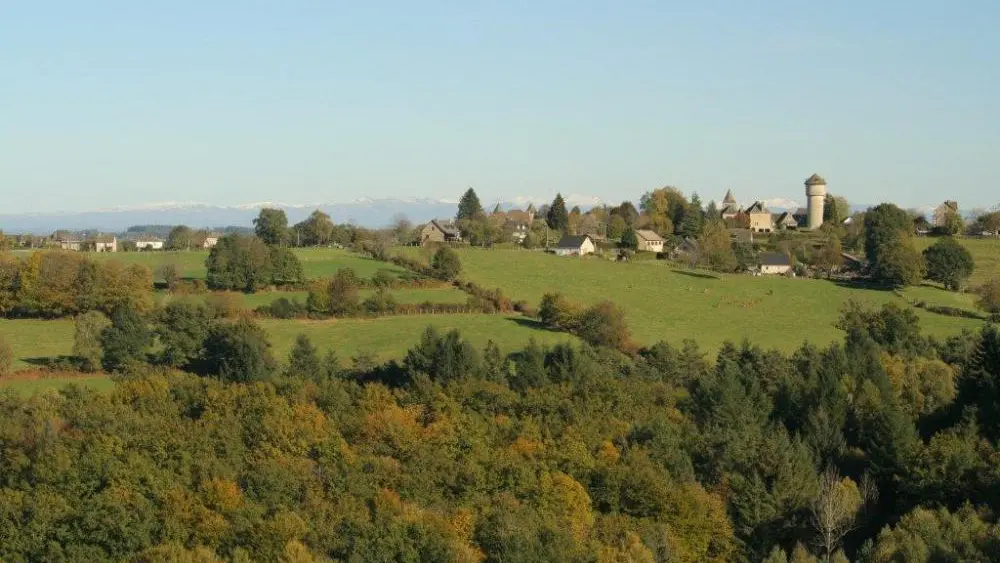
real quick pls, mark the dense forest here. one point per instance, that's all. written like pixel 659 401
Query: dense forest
pixel 880 448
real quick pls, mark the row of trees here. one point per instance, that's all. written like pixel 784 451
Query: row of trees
pixel 248 263
pixel 54 284
pixel 880 448
pixel 182 334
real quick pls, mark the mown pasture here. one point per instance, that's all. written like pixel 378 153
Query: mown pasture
pixel 664 301
pixel 316 262
pixel 36 343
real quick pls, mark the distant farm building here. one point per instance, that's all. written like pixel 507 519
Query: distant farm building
pixel 104 243
pixel 775 263
pixel 575 245
pixel 761 220
pixel 649 241
pixel 149 243
pixel 211 240
pixel 438 231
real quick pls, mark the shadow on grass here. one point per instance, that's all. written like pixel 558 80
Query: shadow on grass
pixel 860 284
pixel 54 362
pixel 533 324
pixel 693 274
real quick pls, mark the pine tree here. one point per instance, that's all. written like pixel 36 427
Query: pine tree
pixel 694 218
pixel 558 217
pixel 469 207
pixel 629 240
pixel 303 360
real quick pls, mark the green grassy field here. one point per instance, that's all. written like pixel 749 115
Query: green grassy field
pixel 985 252
pixel 666 302
pixel 387 337
pixel 316 262
pixel 33 386
pixel 390 337
pixel 251 301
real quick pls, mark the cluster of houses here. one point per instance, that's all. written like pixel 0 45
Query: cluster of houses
pixel 515 221
pixel 111 243
pixel 759 219
pixel 756 218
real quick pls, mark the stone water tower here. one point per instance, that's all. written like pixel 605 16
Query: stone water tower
pixel 816 196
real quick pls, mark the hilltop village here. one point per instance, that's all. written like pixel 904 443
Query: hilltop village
pixel 822 239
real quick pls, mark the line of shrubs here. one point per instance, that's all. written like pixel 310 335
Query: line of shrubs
pixel 375 306
pixel 948 311
pixel 602 324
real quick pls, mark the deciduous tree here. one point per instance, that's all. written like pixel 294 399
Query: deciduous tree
pixel 271 226
pixel 948 263
pixel 446 264
pixel 238 352
pixel 87 339
pixel 715 250
pixel 989 297
pixel 343 292
pixel 125 341
pixel 182 328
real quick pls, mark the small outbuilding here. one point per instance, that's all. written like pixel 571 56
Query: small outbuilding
pixel 649 241
pixel 575 245
pixel 775 263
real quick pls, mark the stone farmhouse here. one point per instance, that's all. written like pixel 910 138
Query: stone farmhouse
pixel 104 243
pixel 439 231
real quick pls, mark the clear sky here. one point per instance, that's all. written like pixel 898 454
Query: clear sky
pixel 106 103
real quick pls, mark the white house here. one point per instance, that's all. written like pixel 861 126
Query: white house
pixel 775 263
pixel 211 240
pixel 570 245
pixel 649 241
pixel 105 244
pixel 149 243
pixel 70 244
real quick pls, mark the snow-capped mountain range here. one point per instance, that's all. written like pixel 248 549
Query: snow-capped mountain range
pixel 366 212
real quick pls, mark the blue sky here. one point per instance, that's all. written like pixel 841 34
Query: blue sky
pixel 121 103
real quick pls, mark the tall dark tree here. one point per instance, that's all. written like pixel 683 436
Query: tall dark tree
pixel 627 212
pixel 949 263
pixel 304 361
pixel 888 245
pixel 883 224
pixel 694 218
pixel 629 240
pixel 182 328
pixel 271 226
pixel 558 217
pixel 238 352
pixel 469 207
pixel 126 340
pixel 980 387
